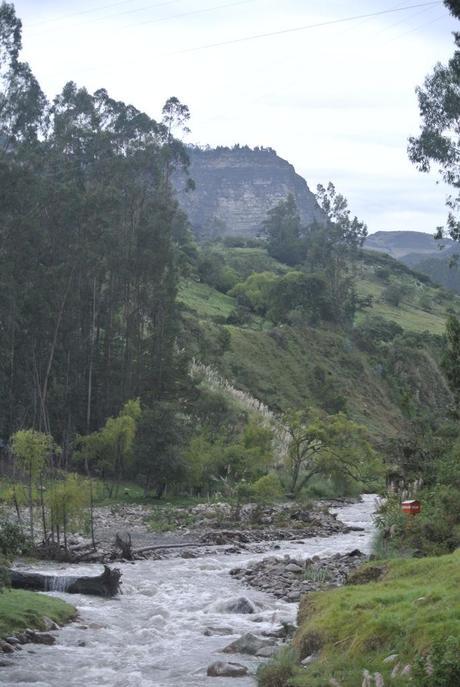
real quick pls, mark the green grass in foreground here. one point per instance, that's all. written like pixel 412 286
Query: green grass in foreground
pixel 20 610
pixel 357 627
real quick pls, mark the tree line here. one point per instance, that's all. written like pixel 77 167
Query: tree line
pixel 92 246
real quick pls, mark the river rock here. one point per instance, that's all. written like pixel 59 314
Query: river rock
pixel 310 659
pixel 49 624
pixel 248 644
pixel 288 578
pixel 12 640
pixel 267 651
pixel 40 637
pixel 391 659
pixel 221 669
pixel 241 605
pixel 6 647
pixel 293 567
pixel 283 631
pixel 213 631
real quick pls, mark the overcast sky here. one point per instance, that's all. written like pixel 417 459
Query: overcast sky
pixel 337 101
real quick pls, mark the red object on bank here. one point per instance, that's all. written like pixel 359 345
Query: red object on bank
pixel 411 507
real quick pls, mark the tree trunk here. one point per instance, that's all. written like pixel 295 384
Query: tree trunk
pixel 107 584
pixel 31 505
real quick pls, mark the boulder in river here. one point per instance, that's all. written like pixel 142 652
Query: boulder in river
pixel 221 669
pixel 241 605
pixel 248 644
pixel 40 637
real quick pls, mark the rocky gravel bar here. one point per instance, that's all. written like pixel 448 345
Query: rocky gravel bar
pixel 288 578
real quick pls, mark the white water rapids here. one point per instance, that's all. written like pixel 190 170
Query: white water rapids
pixel 152 635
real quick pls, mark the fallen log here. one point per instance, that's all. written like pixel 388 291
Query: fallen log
pixel 107 584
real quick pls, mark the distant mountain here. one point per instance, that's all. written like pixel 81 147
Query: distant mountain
pixel 236 187
pixel 400 244
pixel 421 252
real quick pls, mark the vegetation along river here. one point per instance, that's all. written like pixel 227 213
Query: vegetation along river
pixel 153 634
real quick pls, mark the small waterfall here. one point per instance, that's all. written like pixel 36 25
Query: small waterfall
pixel 59 583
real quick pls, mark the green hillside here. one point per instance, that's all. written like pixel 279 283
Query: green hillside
pixel 323 365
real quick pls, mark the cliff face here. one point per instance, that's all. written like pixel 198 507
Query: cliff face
pixel 236 188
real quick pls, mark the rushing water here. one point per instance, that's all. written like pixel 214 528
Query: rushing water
pixel 152 635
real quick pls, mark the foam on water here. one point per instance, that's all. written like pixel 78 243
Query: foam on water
pixel 152 635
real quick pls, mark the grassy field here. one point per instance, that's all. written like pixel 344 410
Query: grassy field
pixel 409 314
pixel 205 301
pixel 357 627
pixel 20 610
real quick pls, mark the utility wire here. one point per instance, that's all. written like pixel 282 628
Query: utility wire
pixel 92 20
pixel 422 26
pixel 78 14
pixel 306 27
pixel 192 12
pixel 344 32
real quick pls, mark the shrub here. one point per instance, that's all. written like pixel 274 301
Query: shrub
pixel 382 273
pixel 279 670
pixel 393 294
pixel 13 541
pixel 441 668
pixel 267 489
pixel 374 330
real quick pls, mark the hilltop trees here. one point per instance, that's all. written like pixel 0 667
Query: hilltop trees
pixel 451 359
pixel 439 140
pixel 324 252
pixel 284 232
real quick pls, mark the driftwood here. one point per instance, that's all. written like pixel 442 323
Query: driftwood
pixel 124 544
pixel 107 584
pixel 52 551
pixel 146 549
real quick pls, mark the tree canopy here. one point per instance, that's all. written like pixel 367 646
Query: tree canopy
pixel 438 142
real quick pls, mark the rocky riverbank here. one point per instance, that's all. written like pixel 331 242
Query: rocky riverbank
pixel 289 578
pixel 153 532
pixel 30 618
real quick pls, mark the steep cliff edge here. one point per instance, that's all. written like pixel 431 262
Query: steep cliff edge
pixel 235 188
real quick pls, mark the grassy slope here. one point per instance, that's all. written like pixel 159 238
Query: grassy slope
pixel 409 314
pixel 205 301
pixel 416 603
pixel 279 366
pixel 20 610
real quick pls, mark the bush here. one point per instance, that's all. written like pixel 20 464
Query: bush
pixel 375 329
pixel 382 273
pixel 441 668
pixel 279 670
pixel 435 531
pixel 393 294
pixel 267 489
pixel 13 541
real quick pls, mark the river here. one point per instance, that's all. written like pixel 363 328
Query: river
pixel 152 635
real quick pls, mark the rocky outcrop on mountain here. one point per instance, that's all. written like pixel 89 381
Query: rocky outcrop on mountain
pixel 235 188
